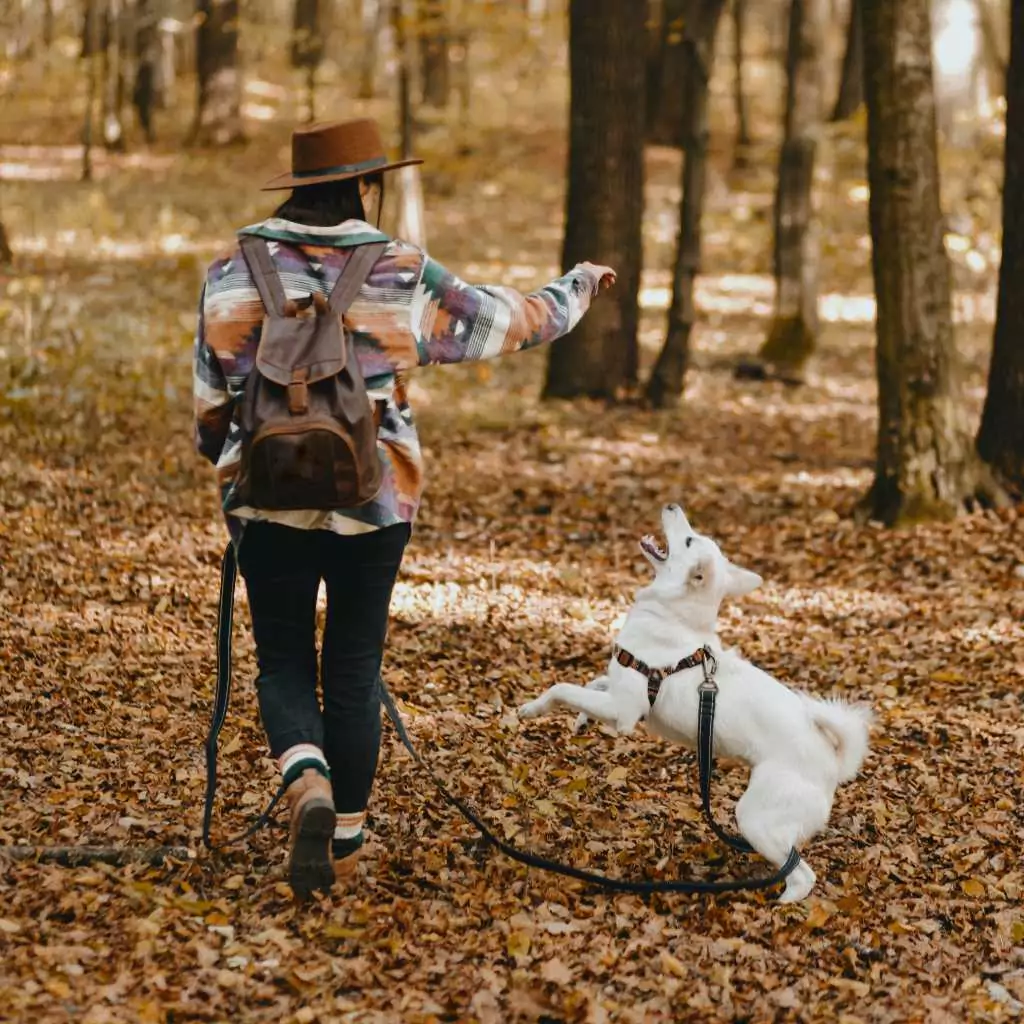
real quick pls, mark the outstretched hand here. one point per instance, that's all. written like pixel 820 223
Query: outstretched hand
pixel 606 276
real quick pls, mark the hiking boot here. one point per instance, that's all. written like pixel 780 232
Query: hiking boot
pixel 312 827
pixel 346 853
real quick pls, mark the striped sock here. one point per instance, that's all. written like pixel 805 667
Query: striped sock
pixel 295 760
pixel 348 833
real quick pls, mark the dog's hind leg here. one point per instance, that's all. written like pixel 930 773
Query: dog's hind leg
pixel 592 702
pixel 773 817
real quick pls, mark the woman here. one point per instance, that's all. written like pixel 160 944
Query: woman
pixel 410 312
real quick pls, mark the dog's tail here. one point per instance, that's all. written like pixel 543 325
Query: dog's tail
pixel 846 727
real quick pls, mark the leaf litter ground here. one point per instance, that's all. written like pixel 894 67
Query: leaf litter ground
pixel 523 559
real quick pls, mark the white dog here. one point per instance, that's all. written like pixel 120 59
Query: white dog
pixel 799 747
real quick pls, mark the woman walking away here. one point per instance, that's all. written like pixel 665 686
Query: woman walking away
pixel 269 347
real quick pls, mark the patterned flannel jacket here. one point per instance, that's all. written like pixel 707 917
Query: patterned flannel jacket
pixel 410 312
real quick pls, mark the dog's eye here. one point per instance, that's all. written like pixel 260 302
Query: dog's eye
pixel 689 541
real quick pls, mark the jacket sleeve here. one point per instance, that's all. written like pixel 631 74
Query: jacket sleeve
pixel 453 321
pixel 211 400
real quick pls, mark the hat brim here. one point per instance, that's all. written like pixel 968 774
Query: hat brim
pixel 289 180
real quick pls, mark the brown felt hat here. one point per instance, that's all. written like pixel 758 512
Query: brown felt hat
pixel 335 151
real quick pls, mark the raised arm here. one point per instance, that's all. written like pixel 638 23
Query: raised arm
pixel 453 321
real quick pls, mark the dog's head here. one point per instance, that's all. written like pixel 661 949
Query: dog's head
pixel 691 567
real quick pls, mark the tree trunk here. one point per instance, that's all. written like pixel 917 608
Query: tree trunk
pixel 1001 437
pixel 791 337
pixel 91 50
pixel 667 78
pixel 926 466
pixel 113 77
pixel 433 33
pixel 665 386
pixel 604 202
pixel 6 255
pixel 219 108
pixel 308 47
pixel 851 78
pixel 147 59
pixel 373 18
pixel 739 21
pixel 412 226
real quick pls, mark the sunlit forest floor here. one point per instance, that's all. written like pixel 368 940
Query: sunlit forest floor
pixel 524 556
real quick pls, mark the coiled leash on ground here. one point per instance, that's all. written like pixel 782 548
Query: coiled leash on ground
pixel 705 762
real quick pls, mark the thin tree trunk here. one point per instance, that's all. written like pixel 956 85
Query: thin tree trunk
pixel 147 57
pixel 219 107
pixel 926 464
pixel 6 254
pixel 373 19
pixel 604 203
pixel 91 51
pixel 411 212
pixel 1001 437
pixel 308 47
pixel 113 78
pixel 665 386
pixel 739 22
pixel 434 63
pixel 794 328
pixel 851 78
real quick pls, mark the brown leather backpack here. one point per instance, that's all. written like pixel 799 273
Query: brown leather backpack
pixel 309 435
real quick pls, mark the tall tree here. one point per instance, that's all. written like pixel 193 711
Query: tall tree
pixel 372 17
pixel 851 77
pixel 739 31
pixel 308 46
pixel 926 465
pixel 434 62
pixel 604 201
pixel 1001 437
pixel 218 119
pixel 699 22
pixel 6 255
pixel 794 326
pixel 113 75
pixel 147 62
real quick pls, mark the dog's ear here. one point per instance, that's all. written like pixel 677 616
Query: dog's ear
pixel 740 581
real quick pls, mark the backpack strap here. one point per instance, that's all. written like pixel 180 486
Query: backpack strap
pixel 264 274
pixel 354 276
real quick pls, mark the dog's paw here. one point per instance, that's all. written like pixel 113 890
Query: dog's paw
pixel 531 709
pixel 580 724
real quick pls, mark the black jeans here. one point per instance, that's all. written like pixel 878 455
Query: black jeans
pixel 282 568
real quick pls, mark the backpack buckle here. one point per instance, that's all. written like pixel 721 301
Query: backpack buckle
pixel 298 398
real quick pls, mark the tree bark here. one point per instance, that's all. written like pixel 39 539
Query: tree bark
pixel 665 386
pixel 926 465
pixel 147 59
pixel 373 18
pixel 308 47
pixel 851 77
pixel 1001 437
pixel 6 255
pixel 434 63
pixel 739 22
pixel 604 202
pixel 219 108
pixel 91 49
pixel 791 337
pixel 113 77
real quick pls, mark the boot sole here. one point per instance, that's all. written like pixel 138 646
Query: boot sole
pixel 310 867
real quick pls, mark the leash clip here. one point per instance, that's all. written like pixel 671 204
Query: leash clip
pixel 709 666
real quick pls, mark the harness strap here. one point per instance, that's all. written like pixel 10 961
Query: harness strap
pixel 656 676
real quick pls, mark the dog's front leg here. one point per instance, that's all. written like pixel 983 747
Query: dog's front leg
pixel 600 684
pixel 594 703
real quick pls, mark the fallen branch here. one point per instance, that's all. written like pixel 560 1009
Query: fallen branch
pixel 77 856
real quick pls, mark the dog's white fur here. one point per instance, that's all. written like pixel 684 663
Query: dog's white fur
pixel 799 747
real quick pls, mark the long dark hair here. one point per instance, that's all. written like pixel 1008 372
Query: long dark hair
pixel 328 203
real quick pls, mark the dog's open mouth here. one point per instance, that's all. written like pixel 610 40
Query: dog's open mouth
pixel 653 549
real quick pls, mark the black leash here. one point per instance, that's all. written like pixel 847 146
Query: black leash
pixel 705 737
pixel 221 700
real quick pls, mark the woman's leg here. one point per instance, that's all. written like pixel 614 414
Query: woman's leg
pixel 282 576
pixel 279 565
pixel 360 574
